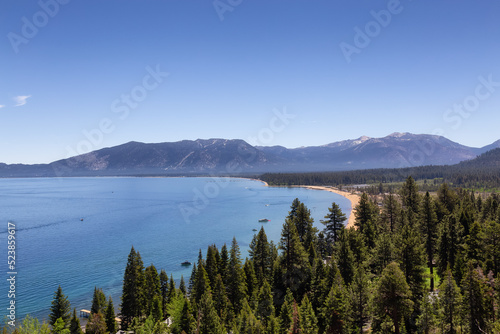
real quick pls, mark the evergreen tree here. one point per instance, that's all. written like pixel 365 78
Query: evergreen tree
pixel 187 323
pixel 366 215
pixel 308 320
pixel 345 257
pixel 152 286
pixel 477 310
pixel 294 260
pixel 156 310
pixel 172 292
pixel 359 293
pixel 60 327
pixel 201 284
pixel 132 292
pixel 390 211
pixel 335 309
pixel 74 324
pixel 383 253
pixel 392 296
pixel 265 306
pixel 60 308
pixel 110 316
pixel 212 263
pixel 251 282
pixel 221 302
pixel 208 320
pixel 411 200
pixel 426 321
pixel 164 291
pixel 192 279
pixel 286 313
pixel 334 223
pixel 262 257
pixel 236 287
pixel 98 301
pixel 96 324
pixel 182 286
pixel 429 231
pixel 447 198
pixel 450 301
pixel 224 264
pixel 247 323
pixel 304 224
pixel 448 244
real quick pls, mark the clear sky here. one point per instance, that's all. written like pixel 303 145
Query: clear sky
pixel 85 74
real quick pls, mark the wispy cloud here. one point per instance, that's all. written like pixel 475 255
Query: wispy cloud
pixel 1 106
pixel 21 100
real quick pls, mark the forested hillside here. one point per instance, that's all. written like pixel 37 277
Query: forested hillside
pixel 481 172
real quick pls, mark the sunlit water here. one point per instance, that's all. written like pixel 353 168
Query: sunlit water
pixel 166 219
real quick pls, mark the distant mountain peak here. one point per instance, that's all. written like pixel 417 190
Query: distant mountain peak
pixel 398 134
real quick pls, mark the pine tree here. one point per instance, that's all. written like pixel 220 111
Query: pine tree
pixel 308 320
pixel 247 323
pixel 411 200
pixel 294 260
pixel 429 231
pixel 60 308
pixel 60 328
pixel 172 292
pixel 30 326
pixel 96 324
pixel 187 322
pixel 251 282
pixel 383 253
pixel 286 313
pixel 390 211
pixel 392 296
pixel 98 301
pixel 164 291
pixel 450 301
pixel 156 310
pixel 304 224
pixel 224 264
pixel 334 223
pixel 366 215
pixel 359 293
pixel 132 292
pixel 448 244
pixel 426 321
pixel 74 325
pixel 212 263
pixel 265 306
pixel 477 310
pixel 208 320
pixel 201 284
pixel 262 257
pixel 110 317
pixel 221 302
pixel 334 311
pixel 236 287
pixel 345 257
pixel 182 286
pixel 152 286
pixel 192 279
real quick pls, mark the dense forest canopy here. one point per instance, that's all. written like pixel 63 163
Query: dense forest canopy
pixel 482 172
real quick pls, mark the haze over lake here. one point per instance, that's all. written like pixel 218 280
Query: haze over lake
pixel 77 232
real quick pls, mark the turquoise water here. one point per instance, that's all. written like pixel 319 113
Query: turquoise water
pixel 166 219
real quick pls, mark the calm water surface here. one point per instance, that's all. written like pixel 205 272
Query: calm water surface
pixel 166 219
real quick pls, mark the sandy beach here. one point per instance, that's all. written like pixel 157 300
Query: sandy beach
pixel 354 198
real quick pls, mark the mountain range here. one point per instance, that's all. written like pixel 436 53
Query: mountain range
pixel 235 156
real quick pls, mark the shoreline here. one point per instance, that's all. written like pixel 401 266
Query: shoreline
pixel 353 198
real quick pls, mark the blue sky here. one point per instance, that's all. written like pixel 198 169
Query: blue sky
pixel 81 75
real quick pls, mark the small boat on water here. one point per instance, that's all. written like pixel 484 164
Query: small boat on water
pixel 186 263
pixel 254 229
pixel 263 220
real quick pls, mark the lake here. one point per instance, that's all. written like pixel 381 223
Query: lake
pixel 77 232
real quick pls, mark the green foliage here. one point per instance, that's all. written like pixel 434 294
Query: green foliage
pixel 98 301
pixel 208 320
pixel 96 324
pixel 110 316
pixel 152 287
pixel 392 297
pixel 450 302
pixel 59 327
pixel 74 325
pixel 308 320
pixel 60 309
pixel 133 302
pixel 31 325
pixel 334 223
